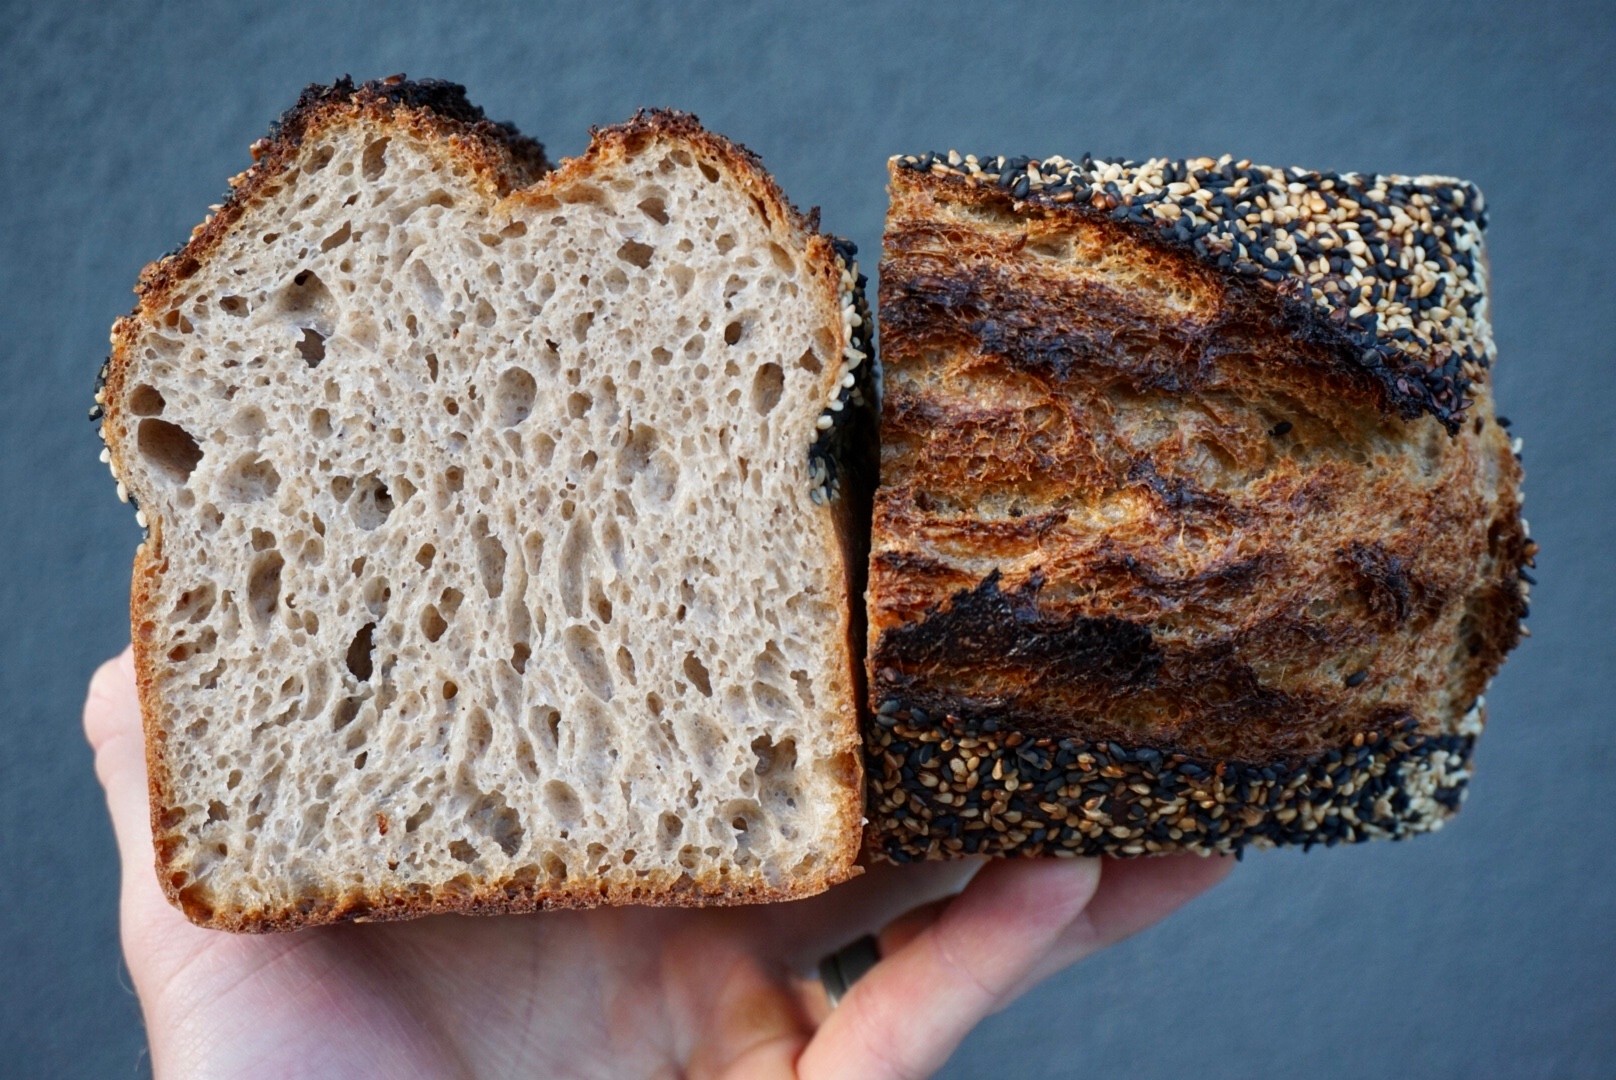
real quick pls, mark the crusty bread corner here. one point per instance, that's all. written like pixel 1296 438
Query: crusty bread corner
pixel 1177 546
pixel 504 166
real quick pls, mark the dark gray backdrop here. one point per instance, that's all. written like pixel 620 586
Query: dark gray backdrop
pixel 1484 951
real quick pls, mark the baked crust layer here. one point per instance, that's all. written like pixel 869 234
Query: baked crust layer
pixel 1137 494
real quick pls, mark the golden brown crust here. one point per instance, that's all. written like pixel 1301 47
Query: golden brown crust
pixel 1126 500
pixel 505 164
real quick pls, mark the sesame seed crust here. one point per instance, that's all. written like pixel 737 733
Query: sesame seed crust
pixel 1387 270
pixel 941 788
pixel 846 427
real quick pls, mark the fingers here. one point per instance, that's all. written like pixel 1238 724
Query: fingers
pixel 948 964
pixel 1133 895
pixel 907 1015
pixel 753 1029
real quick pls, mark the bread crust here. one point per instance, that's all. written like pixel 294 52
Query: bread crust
pixel 505 165
pixel 1145 510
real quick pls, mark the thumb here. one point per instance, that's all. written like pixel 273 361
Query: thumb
pixel 112 725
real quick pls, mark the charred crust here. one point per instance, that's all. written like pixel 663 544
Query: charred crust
pixel 431 105
pixel 986 625
pixel 440 98
pixel 1368 269
pixel 1070 334
pixel 1383 579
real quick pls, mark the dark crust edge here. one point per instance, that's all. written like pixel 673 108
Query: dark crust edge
pixel 942 789
pixel 1407 388
pixel 507 162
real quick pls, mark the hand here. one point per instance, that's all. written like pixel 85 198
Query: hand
pixel 614 992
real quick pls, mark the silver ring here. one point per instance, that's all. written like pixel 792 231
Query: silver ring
pixel 846 966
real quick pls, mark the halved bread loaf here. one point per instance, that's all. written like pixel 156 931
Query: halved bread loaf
pixel 1196 528
pixel 504 523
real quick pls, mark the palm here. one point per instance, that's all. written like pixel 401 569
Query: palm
pixel 613 992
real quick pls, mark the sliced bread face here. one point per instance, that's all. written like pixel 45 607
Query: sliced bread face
pixel 500 550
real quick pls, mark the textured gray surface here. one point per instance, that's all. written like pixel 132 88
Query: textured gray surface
pixel 1485 951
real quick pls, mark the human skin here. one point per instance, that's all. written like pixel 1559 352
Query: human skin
pixel 613 992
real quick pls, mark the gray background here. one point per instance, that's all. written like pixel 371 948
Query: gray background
pixel 1485 951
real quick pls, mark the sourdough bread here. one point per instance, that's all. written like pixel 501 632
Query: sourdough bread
pixel 1196 527
pixel 503 523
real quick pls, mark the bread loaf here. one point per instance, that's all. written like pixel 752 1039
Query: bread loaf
pixel 1196 526
pixel 503 523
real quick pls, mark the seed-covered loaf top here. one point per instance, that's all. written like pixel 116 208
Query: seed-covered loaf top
pixel 1389 268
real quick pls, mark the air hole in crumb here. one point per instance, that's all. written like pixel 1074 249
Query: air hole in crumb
pixel 425 556
pixel 433 623
pixel 234 305
pixel 580 326
pixel 450 690
pixel 655 209
pixel 514 394
pixel 249 479
pixel 636 254
pixel 345 713
pixel 495 819
pixel 217 811
pixel 432 366
pixel 696 672
pixel 169 447
pixel 372 503
pixel 708 171
pixel 359 659
pixel 311 347
pixel 419 818
pixel 374 161
pixel 490 558
pixel 521 653
pixel 563 804
pixel 320 423
pixel 733 332
pixel 146 401
pixel 767 385
pixel 725 243
pixel 307 296
pixel 264 586
pixel 463 851
pixel 584 653
pixel 338 238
